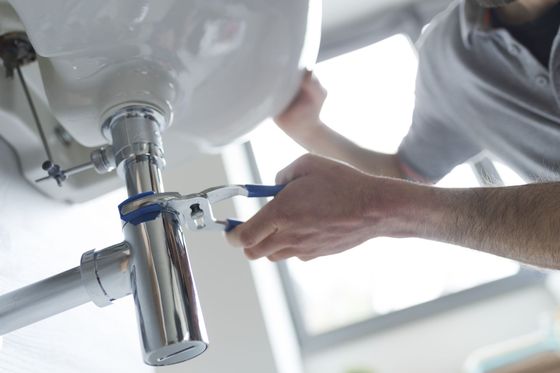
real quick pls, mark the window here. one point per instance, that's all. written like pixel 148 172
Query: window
pixel 371 99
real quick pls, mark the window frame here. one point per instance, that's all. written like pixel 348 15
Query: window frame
pixel 310 344
pixel 484 171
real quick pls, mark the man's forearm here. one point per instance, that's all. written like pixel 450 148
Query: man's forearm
pixel 521 223
pixel 328 143
pixel 327 208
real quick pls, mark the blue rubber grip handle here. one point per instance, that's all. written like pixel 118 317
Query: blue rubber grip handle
pixel 263 190
pixel 231 224
pixel 254 190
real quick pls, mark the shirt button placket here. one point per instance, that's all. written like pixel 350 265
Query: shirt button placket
pixel 514 49
pixel 541 80
pixel 555 73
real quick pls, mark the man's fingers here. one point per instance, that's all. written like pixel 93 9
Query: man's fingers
pixel 306 258
pixel 272 244
pixel 305 88
pixel 283 254
pixel 300 167
pixel 285 115
pixel 307 77
pixel 255 230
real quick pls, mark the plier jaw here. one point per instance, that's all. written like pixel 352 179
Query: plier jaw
pixel 197 214
pixel 193 210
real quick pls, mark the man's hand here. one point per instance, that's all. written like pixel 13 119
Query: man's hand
pixel 324 209
pixel 301 120
pixel 328 207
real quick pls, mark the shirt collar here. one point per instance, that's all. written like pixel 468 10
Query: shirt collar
pixel 473 18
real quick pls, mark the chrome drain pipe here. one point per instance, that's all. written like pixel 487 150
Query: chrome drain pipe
pixel 102 275
pixel 152 263
pixel 169 316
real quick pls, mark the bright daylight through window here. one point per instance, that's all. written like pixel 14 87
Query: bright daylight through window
pixel 371 99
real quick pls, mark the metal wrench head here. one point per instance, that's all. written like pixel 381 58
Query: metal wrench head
pixel 160 199
pixel 194 210
pixel 200 205
pixel 197 213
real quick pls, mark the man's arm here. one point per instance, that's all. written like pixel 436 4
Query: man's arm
pixel 329 143
pixel 520 223
pixel 328 207
pixel 301 122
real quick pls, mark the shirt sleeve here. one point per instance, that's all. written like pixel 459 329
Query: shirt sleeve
pixel 432 148
pixel 438 139
pixel 436 142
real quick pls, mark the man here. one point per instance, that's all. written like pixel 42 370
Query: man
pixel 488 79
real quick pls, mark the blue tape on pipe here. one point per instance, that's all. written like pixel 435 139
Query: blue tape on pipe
pixel 141 215
pixel 254 190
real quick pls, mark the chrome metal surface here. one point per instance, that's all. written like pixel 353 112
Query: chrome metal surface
pixel 63 174
pixel 43 299
pixel 103 159
pixel 136 143
pixel 194 210
pixel 197 209
pixel 213 195
pixel 224 192
pixel 79 168
pixel 152 263
pixel 102 277
pixel 141 174
pixel 135 131
pixel 169 316
pixel 105 274
pixel 160 199
pixel 197 214
pixel 149 113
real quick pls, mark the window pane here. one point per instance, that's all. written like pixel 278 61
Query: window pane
pixel 371 98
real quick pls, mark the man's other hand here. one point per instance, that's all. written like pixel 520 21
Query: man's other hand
pixel 300 120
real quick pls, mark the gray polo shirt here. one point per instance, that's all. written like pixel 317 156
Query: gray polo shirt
pixel 478 90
